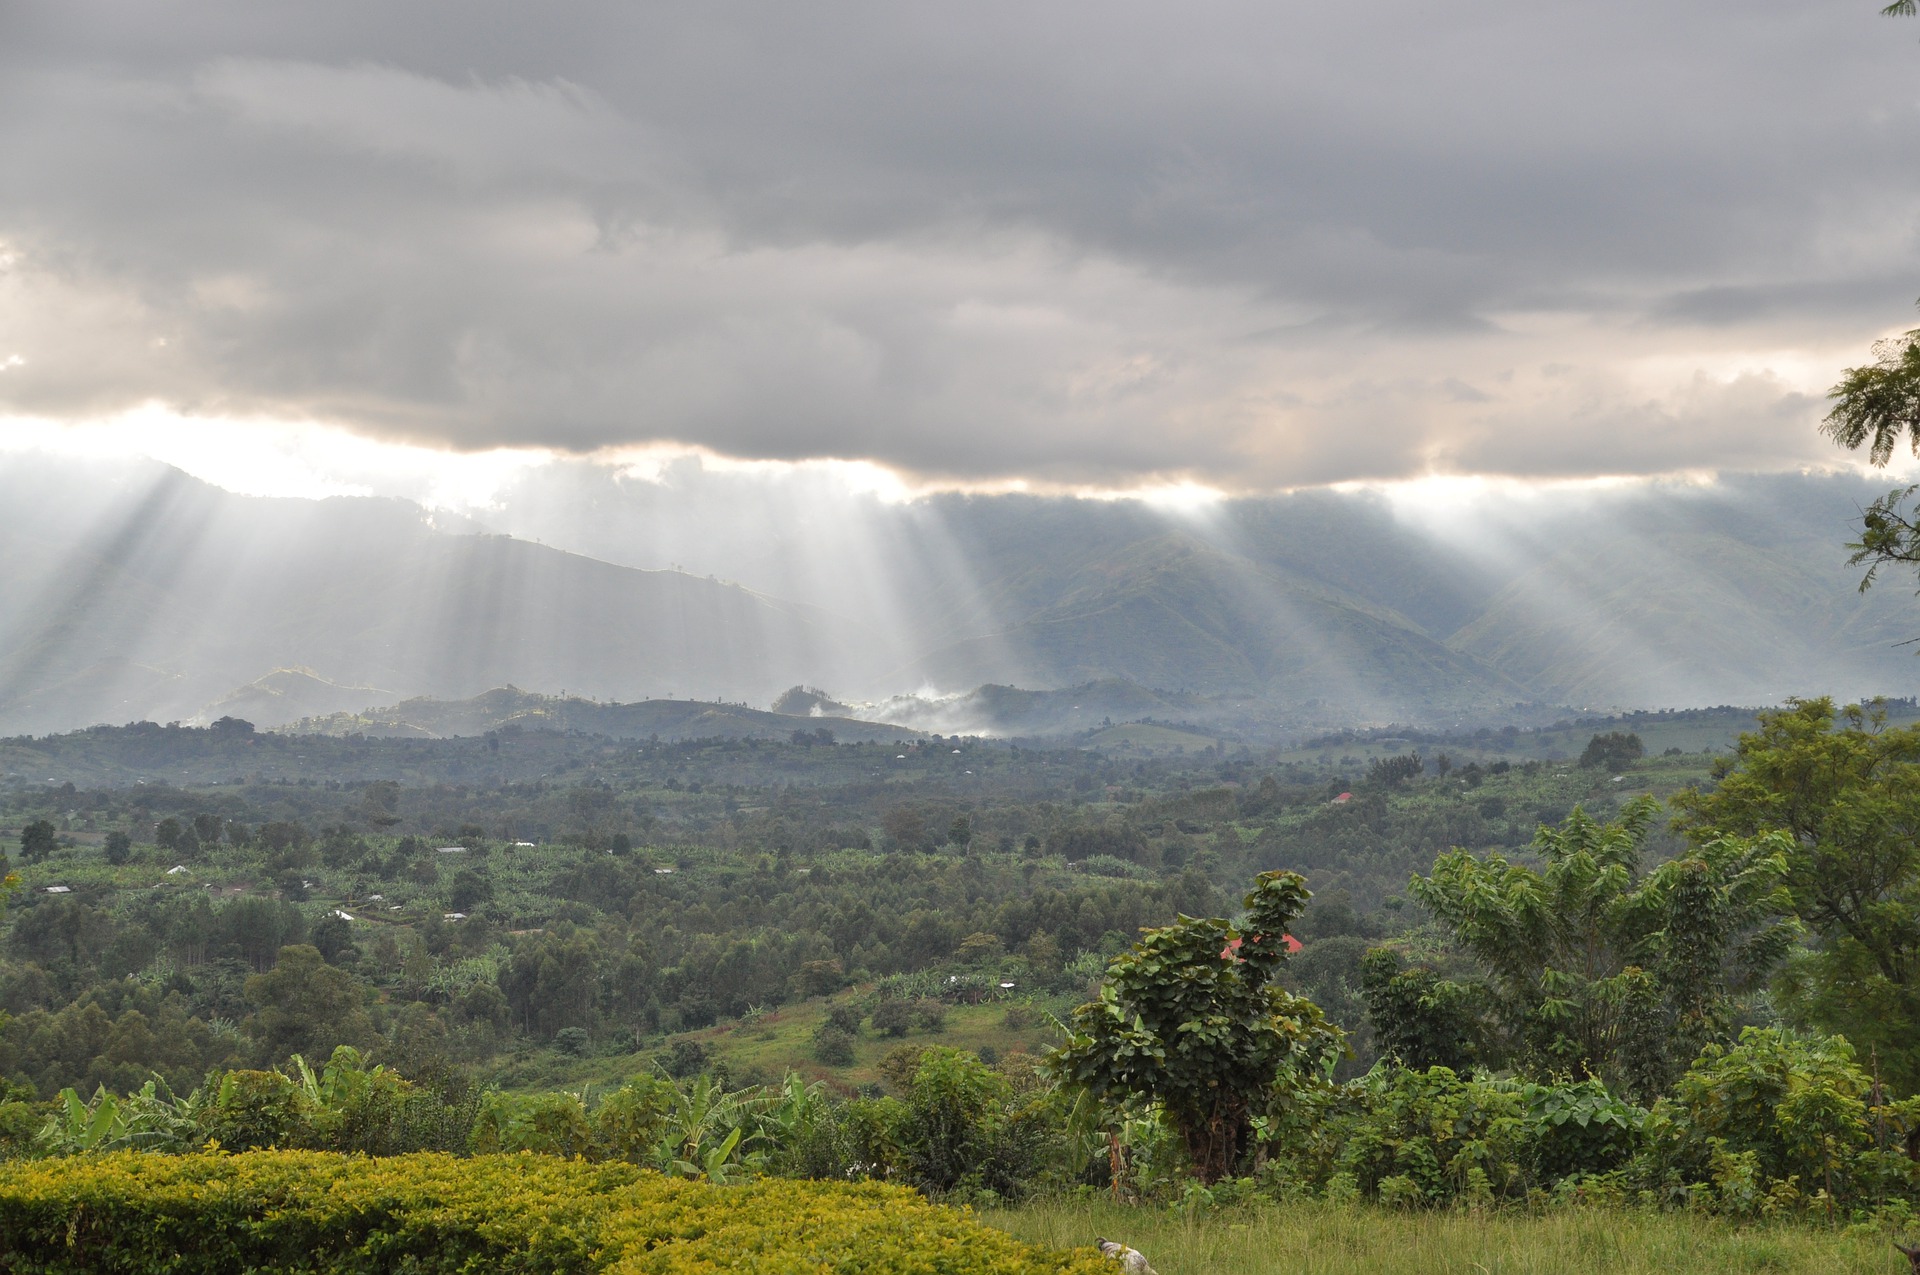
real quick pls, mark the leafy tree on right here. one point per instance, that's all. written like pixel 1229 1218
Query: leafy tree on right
pixel 1845 789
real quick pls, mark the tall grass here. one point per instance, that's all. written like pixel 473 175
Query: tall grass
pixel 1319 1239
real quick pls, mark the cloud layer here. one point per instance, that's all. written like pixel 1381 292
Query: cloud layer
pixel 1248 245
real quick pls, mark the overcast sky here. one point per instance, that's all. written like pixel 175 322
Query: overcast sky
pixel 1113 244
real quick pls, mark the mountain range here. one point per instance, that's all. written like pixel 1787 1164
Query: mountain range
pixel 138 592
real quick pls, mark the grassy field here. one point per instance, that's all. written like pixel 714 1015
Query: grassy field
pixel 781 1040
pixel 1145 739
pixel 1322 1240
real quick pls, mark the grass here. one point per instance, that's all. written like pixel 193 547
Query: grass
pixel 781 1041
pixel 1148 740
pixel 1319 1239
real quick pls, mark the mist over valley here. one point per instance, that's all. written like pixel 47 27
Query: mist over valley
pixel 140 593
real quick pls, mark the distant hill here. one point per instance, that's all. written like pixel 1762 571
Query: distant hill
pixel 289 694
pixel 1178 613
pixel 135 592
pixel 508 707
pixel 155 595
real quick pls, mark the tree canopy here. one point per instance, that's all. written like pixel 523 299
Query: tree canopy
pixel 1191 1018
pixel 1874 406
pixel 1597 968
pixel 1844 791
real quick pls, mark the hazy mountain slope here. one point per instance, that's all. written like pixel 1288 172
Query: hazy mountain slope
pixel 1177 613
pixel 289 694
pixel 135 592
pixel 1704 619
pixel 668 719
pixel 180 591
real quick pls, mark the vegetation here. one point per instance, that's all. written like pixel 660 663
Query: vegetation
pixel 726 963
pixel 1191 1022
pixel 1841 791
pixel 1596 969
pixel 313 1211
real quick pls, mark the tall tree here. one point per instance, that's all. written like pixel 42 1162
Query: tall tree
pixel 306 1006
pixel 1599 968
pixel 1190 1018
pixel 37 841
pixel 1845 790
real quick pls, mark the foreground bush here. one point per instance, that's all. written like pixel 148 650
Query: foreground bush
pixel 426 1213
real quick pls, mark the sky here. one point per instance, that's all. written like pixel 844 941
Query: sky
pixel 415 249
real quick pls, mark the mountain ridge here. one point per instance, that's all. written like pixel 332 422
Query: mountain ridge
pixel 142 593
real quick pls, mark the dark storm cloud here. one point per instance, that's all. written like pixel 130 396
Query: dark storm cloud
pixel 1255 244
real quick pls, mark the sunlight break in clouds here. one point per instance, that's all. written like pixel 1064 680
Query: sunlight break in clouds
pixel 1239 247
pixel 279 458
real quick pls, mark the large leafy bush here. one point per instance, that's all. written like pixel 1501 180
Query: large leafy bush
pixel 427 1213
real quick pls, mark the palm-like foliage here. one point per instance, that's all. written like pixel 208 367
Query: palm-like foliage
pixel 1873 406
pixel 1878 402
pixel 1598 968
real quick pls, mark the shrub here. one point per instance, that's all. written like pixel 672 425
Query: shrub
pixel 632 1119
pixel 892 1017
pixel 954 1103
pixel 685 1057
pixel 833 1046
pixel 547 1123
pixel 432 1213
pixel 1766 1124
pixel 1411 1137
pixel 256 1109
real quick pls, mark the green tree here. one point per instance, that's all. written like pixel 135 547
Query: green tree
pixel 119 847
pixel 1390 772
pixel 1191 1018
pixel 954 1103
pixel 1598 969
pixel 1845 791
pixel 893 1017
pixel 1873 406
pixel 1615 750
pixel 1774 1110
pixel 1419 1018
pixel 37 841
pixel 306 1006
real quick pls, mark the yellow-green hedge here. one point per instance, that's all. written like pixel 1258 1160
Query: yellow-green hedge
pixel 146 1214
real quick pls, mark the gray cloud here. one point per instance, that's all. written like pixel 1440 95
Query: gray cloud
pixel 1251 244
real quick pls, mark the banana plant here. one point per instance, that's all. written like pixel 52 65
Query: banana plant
pixel 706 1129
pixel 714 1163
pixel 77 1127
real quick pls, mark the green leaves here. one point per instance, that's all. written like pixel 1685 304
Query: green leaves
pixel 1838 796
pixel 1189 1018
pixel 1876 403
pixel 1601 971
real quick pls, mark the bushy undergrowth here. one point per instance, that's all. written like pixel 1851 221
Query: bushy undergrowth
pixel 313 1211
pixel 1778 1123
